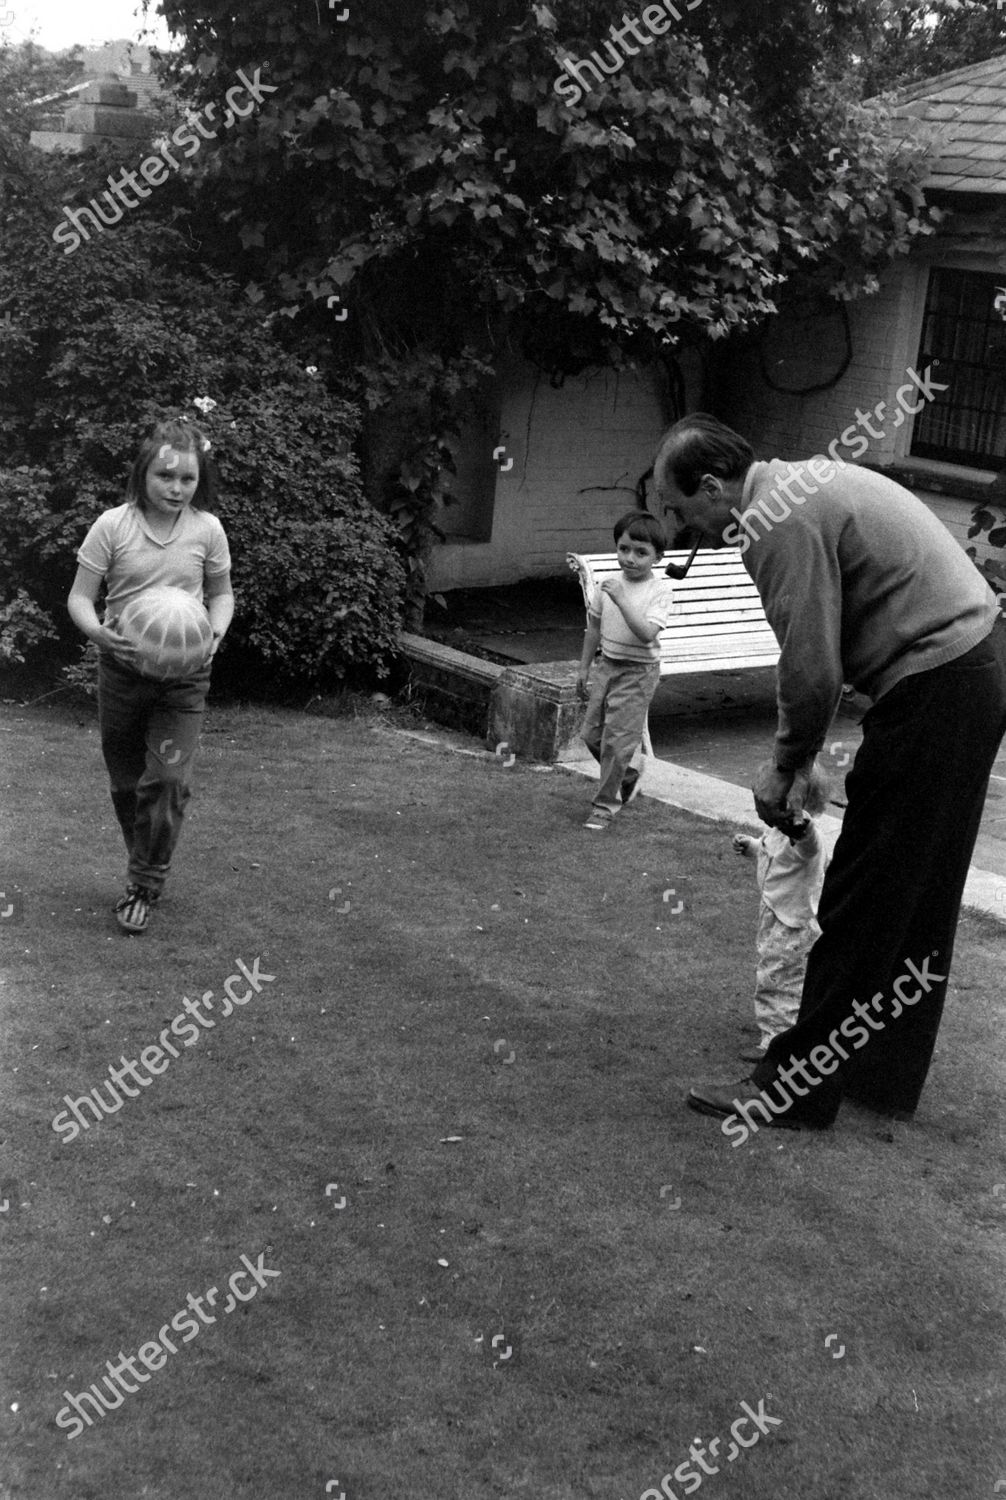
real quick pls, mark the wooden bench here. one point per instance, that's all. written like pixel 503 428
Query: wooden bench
pixel 718 621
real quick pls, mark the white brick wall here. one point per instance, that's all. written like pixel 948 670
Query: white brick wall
pixel 599 429
pixel 884 332
pixel 602 429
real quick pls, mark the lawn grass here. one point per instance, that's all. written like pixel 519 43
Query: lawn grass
pixel 501 976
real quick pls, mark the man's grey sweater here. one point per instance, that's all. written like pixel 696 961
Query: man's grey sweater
pixel 861 584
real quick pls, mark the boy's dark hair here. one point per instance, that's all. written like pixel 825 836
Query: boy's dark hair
pixel 184 437
pixel 701 444
pixel 642 527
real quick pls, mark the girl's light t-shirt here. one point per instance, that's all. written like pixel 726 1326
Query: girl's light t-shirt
pixel 131 560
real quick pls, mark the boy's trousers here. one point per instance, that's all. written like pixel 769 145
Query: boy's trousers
pixel 149 734
pixel 620 697
pixel 782 962
pixel 891 899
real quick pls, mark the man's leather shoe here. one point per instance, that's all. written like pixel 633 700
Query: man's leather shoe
pixel 752 1054
pixel 723 1099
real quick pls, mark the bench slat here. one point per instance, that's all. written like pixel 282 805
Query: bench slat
pixel 712 621
pixel 738 645
pixel 720 631
pixel 701 577
pixel 683 664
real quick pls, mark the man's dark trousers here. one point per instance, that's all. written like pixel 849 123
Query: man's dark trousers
pixel 893 890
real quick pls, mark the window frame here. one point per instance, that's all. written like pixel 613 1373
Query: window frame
pixel 981 457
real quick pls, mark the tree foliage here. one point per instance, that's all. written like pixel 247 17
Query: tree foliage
pixel 99 343
pixel 415 162
pixel 919 39
pixel 27 73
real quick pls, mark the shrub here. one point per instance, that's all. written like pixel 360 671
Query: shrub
pixel 82 674
pixel 131 328
pixel 317 578
pixel 22 625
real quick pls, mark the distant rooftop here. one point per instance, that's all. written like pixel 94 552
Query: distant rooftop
pixel 129 61
pixel 968 110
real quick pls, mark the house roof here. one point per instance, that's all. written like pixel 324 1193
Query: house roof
pixel 127 63
pixel 132 62
pixel 967 110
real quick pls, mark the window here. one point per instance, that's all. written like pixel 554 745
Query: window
pixel 964 340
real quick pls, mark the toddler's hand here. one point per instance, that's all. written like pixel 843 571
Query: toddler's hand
pixel 796 827
pixel 613 588
pixel 743 844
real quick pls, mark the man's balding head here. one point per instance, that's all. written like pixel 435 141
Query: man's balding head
pixel 698 475
pixel 698 445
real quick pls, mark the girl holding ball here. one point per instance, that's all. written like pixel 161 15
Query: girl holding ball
pixel 163 534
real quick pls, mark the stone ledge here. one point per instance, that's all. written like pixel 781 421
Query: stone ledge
pixel 533 709
pixel 428 653
pixel 536 710
pixel 452 687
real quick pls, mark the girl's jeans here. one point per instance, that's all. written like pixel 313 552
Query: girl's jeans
pixel 149 734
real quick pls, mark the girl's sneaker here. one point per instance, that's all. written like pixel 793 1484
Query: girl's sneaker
pixel 133 912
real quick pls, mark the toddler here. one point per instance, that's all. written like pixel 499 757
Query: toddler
pixel 790 872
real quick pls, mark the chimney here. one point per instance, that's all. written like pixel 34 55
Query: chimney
pixel 105 111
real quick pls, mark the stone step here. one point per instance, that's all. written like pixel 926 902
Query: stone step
pixel 533 709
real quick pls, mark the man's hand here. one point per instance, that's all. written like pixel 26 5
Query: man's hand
pixel 779 796
pixel 583 685
pixel 771 789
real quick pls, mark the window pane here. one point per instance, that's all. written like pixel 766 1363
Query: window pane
pixel 964 342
